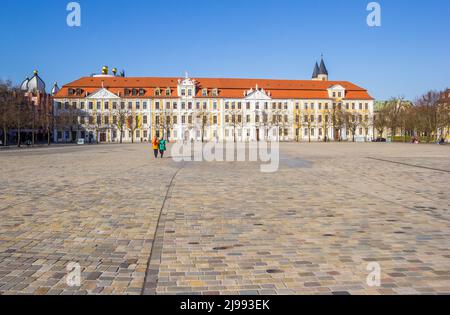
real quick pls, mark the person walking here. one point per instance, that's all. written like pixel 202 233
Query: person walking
pixel 162 147
pixel 155 146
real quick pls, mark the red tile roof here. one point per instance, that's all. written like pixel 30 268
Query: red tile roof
pixel 228 88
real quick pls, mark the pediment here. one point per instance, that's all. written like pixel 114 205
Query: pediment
pixel 257 94
pixel 103 94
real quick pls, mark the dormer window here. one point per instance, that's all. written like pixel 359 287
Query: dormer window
pixel 168 92
pixel 205 92
pixel 183 92
pixel 71 92
pixel 127 92
pixel 215 92
pixel 157 92
pixel 135 92
pixel 141 92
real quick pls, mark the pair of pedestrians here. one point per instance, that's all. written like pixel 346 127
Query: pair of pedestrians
pixel 159 146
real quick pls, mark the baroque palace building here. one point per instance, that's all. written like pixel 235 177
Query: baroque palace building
pixel 110 108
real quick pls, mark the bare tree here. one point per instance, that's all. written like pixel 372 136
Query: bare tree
pixel 427 109
pixel 120 121
pixel 352 122
pixel 6 106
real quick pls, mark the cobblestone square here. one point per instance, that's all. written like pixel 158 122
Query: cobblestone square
pixel 136 225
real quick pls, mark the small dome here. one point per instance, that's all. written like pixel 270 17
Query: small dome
pixel 24 85
pixel 36 83
pixel 55 88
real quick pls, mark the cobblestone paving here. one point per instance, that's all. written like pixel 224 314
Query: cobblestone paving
pixel 226 228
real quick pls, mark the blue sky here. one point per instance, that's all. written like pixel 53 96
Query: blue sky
pixel 408 55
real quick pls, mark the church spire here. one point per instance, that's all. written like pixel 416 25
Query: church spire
pixel 316 71
pixel 323 69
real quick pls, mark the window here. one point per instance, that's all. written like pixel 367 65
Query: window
pixel 215 92
pixel 175 105
pixel 248 118
pixel 99 120
pixel 167 105
pixel 227 119
pixel 334 94
pixel 339 94
pixel 189 92
pixel 183 92
pixel 115 120
pixel 138 105
pixel 135 92
pixel 306 106
pixel 157 105
pixel 122 105
pixel 320 106
pixel 183 105
pixel 138 133
pixel 215 120
pixel 227 105
pixel 99 106
pixel 239 105
pixel 320 118
pixel 145 120
pixel 106 120
pixel 144 105
pixel 248 105
pixel 190 119
pixel 205 92
pixel 205 105
pixel 312 132
pixel 114 105
pixel 157 92
pixel 183 119
pixel 215 105
pixel 360 106
pixel 130 105
pixel 189 105
pixel 168 92
pixel 141 92
pixel 175 120
pixel 367 106
pixel 145 134
pixel 82 105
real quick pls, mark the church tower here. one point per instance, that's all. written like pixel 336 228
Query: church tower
pixel 320 72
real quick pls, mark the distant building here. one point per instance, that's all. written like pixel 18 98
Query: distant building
pixel 211 109
pixel 41 102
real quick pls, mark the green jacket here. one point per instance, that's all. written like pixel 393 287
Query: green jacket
pixel 162 145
